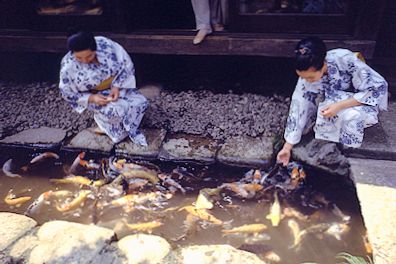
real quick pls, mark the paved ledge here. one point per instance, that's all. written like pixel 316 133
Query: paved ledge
pixel 89 140
pixel 379 140
pixel 154 137
pixel 376 189
pixel 247 151
pixel 183 147
pixel 43 137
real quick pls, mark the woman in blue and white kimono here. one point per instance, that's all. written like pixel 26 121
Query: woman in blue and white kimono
pixel 97 74
pixel 337 93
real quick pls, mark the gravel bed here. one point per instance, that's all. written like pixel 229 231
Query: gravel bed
pixel 31 105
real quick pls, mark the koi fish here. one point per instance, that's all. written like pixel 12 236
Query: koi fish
pixel 340 214
pixel 295 231
pixel 37 204
pixel 79 180
pixel 90 165
pixel 143 227
pixel 143 174
pixel 7 169
pixel 141 198
pixel 202 214
pixel 250 228
pixel 80 199
pixel 43 156
pixel 12 200
pixel 76 162
pixel 203 202
pixel 290 212
pixel 236 188
pixel 275 212
pixel 272 257
pixel 337 230
pixel 171 182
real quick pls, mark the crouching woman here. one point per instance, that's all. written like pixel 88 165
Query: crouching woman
pixel 97 74
pixel 337 94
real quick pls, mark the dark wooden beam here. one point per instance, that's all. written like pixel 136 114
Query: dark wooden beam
pixel 160 43
pixel 369 19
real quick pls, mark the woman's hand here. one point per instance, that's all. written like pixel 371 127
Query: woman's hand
pixel 330 110
pixel 114 94
pixel 98 99
pixel 283 156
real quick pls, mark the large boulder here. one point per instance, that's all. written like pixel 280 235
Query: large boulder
pixel 141 248
pixel 219 254
pixel 13 227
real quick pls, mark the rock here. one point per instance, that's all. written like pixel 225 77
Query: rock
pixel 247 151
pixel 43 136
pixel 141 248
pixel 216 254
pixel 376 189
pixel 88 139
pixel 154 137
pixel 13 227
pixel 183 147
pixel 66 242
pixel 150 91
pixel 322 154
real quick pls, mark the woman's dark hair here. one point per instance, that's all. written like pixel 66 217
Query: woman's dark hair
pixel 310 52
pixel 81 40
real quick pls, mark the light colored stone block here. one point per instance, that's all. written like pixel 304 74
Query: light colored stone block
pixel 247 151
pixel 88 139
pixel 12 227
pixel 376 189
pixel 154 137
pixel 40 137
pixel 183 147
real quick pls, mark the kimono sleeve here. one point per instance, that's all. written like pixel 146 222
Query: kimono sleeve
pixel 371 87
pixel 69 91
pixel 302 112
pixel 126 74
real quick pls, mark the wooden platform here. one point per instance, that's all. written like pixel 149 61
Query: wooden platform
pixel 180 43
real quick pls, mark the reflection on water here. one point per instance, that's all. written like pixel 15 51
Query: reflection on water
pixel 310 230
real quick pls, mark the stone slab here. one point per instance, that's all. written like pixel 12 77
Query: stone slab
pixel 89 140
pixel 216 254
pixel 321 154
pixel 65 242
pixel 183 147
pixel 247 151
pixel 42 137
pixel 142 248
pixel 376 189
pixel 380 140
pixel 154 137
pixel 13 227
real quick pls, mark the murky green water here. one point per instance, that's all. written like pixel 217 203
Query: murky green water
pixel 317 247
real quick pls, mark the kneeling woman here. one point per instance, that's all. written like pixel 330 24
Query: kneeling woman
pixel 337 93
pixel 97 74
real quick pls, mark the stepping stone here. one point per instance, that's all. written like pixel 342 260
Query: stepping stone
pixel 67 242
pixel 13 227
pixel 43 137
pixel 154 137
pixel 184 147
pixel 89 140
pixel 376 189
pixel 379 140
pixel 247 151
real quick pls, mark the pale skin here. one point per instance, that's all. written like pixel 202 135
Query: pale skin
pixel 313 75
pixel 89 56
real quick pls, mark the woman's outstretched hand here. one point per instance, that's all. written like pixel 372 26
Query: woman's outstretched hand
pixel 330 110
pixel 283 156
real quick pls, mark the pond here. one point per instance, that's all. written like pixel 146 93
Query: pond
pixel 320 217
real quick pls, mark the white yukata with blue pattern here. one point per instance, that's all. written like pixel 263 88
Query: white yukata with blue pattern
pixel 347 76
pixel 117 119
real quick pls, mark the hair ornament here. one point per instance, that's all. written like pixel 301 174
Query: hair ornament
pixel 301 51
